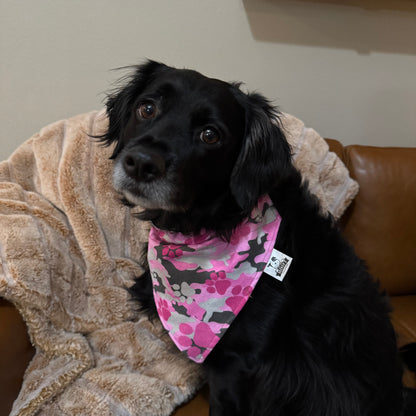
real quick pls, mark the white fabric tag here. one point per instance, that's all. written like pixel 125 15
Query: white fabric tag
pixel 278 265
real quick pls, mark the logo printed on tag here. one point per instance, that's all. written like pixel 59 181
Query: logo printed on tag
pixel 278 265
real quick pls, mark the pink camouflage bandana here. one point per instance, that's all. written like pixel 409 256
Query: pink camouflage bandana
pixel 201 282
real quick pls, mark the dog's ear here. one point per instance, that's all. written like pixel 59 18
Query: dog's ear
pixel 119 103
pixel 265 157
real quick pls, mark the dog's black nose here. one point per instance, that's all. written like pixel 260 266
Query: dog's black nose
pixel 143 166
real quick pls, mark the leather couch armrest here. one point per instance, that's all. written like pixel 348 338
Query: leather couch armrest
pixel 16 352
pixel 336 147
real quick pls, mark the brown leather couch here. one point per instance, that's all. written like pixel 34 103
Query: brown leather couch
pixel 380 223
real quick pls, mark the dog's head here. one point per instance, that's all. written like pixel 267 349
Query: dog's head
pixel 183 141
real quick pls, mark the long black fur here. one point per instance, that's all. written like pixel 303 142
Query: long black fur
pixel 318 344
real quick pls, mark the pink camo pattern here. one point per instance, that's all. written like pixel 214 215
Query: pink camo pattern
pixel 201 282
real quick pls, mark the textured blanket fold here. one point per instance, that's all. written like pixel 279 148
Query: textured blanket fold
pixel 68 250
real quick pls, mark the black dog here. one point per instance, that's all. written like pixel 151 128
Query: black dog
pixel 198 153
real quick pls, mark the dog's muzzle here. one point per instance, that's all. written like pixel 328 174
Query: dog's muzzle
pixel 144 177
pixel 143 165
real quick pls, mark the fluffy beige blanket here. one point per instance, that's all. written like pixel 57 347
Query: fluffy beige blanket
pixel 68 249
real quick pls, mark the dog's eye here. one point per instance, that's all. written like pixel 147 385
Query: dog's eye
pixel 147 110
pixel 209 136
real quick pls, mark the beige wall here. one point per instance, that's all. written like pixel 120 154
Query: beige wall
pixel 347 71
